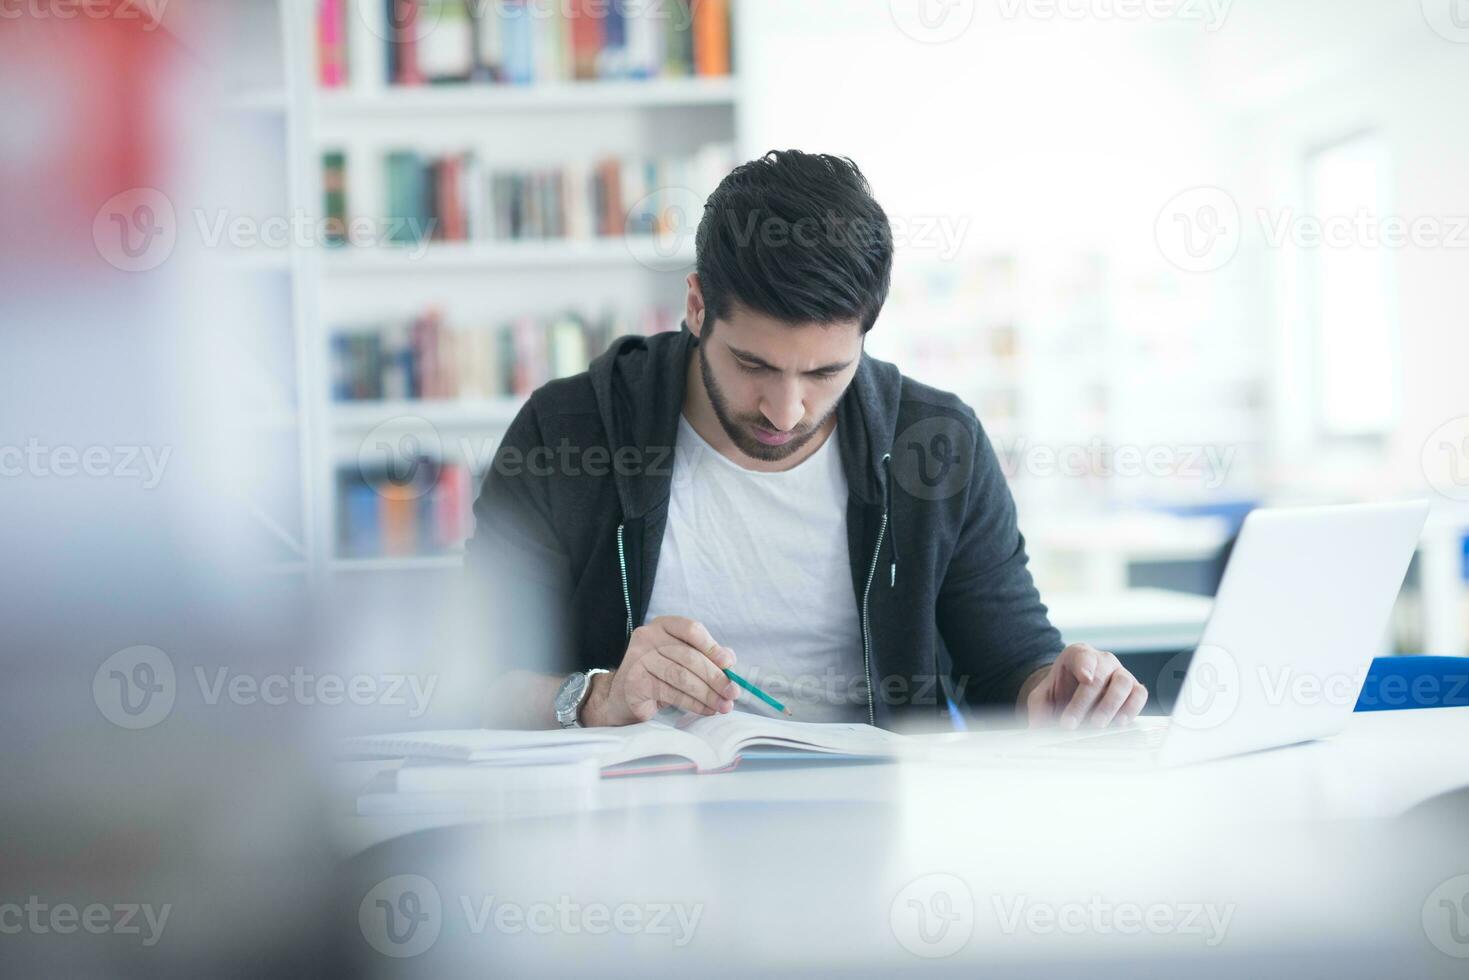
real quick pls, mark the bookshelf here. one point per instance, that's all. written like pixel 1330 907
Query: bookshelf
pixel 476 282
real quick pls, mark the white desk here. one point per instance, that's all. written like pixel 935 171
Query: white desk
pixel 1385 763
pixel 814 871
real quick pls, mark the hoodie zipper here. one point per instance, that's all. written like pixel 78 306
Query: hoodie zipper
pixel 866 595
pixel 622 564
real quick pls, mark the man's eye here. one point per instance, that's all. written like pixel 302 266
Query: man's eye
pixel 749 368
pixel 825 375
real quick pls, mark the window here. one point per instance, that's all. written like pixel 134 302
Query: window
pixel 1349 286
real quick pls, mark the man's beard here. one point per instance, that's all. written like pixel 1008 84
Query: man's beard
pixel 740 430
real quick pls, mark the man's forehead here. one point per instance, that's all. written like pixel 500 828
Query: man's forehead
pixel 788 345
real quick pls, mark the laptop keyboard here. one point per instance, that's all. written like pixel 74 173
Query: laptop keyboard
pixel 1123 739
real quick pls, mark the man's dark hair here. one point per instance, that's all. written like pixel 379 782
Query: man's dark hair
pixel 798 237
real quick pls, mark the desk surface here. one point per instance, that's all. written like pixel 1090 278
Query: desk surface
pixel 808 870
pixel 1383 765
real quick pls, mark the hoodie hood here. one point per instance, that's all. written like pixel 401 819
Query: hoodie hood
pixel 639 387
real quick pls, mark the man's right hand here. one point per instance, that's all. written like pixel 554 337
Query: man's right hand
pixel 671 661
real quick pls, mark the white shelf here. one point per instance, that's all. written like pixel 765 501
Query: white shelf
pixel 406 563
pixel 416 101
pixel 484 256
pixel 496 413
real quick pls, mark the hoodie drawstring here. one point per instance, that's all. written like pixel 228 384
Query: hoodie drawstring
pixel 887 508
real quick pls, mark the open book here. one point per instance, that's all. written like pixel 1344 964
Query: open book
pixel 714 742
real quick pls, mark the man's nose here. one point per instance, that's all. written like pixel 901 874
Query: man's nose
pixel 783 408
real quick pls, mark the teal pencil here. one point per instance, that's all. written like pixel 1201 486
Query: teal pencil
pixel 756 691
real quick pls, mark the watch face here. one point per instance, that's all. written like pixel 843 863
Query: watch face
pixel 569 696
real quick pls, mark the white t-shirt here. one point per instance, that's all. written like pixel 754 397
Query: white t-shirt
pixel 761 560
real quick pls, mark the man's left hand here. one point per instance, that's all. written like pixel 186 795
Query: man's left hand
pixel 1084 686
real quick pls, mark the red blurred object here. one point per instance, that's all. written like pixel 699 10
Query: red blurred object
pixel 90 112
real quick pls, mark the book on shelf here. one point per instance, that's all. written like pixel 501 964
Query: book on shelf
pixel 529 42
pixel 413 507
pixel 331 40
pixel 334 194
pixel 454 197
pixel 422 359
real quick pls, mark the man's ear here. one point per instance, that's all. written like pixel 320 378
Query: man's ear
pixel 694 309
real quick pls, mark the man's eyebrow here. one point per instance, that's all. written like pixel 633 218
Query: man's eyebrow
pixel 761 362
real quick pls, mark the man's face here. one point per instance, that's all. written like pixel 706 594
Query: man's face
pixel 774 385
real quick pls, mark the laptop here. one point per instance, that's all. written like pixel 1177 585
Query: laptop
pixel 1301 612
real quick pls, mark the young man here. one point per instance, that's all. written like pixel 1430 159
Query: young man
pixel 755 490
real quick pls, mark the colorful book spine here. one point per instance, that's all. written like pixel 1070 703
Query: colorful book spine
pixel 711 37
pixel 403 29
pixel 331 34
pixel 525 42
pixel 334 197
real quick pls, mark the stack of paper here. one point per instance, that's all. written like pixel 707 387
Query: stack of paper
pixel 510 773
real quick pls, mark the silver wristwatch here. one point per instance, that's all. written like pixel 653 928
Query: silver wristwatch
pixel 572 694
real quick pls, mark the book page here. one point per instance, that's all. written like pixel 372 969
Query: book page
pixel 658 736
pixel 728 734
